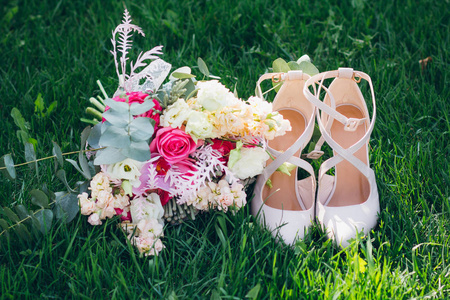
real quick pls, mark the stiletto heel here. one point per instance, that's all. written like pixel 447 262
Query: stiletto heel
pixel 287 206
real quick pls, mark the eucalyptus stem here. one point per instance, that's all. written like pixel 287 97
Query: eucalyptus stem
pixel 53 156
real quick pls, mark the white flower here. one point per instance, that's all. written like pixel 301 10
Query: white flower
pixel 128 169
pixel 199 126
pixel 176 114
pixel 146 208
pixel 94 219
pixel 260 107
pixel 150 227
pixel 251 162
pixel 213 95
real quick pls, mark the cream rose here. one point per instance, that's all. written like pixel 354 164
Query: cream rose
pixel 251 162
pixel 199 126
pixel 176 114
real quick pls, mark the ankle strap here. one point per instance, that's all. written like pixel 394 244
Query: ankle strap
pixel 278 78
pixel 350 124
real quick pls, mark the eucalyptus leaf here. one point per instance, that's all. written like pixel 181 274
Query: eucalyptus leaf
pixel 280 66
pixel 115 105
pixel 116 137
pixel 7 162
pixel 84 165
pixel 58 153
pixel 45 218
pixel 117 117
pixel 140 108
pixel 10 214
pixel 202 67
pixel 141 129
pixel 109 155
pixel 4 224
pixel 94 137
pixel 61 174
pixel 30 156
pixel 39 198
pixel 308 68
pixel 66 206
pixel 178 75
pixel 21 211
pixel 138 151
pixel 75 164
pixel 293 65
pixel 84 136
pixel 22 232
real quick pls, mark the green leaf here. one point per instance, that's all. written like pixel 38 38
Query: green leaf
pixel 45 218
pixel 4 224
pixel 58 153
pixel 21 211
pixel 235 154
pixel 30 155
pixel 10 214
pixel 94 137
pixel 66 206
pixel 7 162
pixel 39 198
pixel 308 68
pixel 202 67
pixel 140 108
pixel 61 174
pixel 141 129
pixel 115 105
pixel 116 137
pixel 293 65
pixel 51 108
pixel 39 105
pixel 118 118
pixel 84 136
pixel 138 151
pixel 23 136
pixel 286 168
pixel 22 232
pixel 280 66
pixel 253 293
pixel 19 120
pixel 110 155
pixel 179 75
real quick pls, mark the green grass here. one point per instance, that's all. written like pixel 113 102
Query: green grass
pixel 60 48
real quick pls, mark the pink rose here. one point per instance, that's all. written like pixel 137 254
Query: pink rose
pixel 172 144
pixel 139 97
pixel 224 147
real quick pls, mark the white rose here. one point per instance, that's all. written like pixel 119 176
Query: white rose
pixel 146 208
pixel 199 126
pixel 213 95
pixel 176 114
pixel 251 162
pixel 128 169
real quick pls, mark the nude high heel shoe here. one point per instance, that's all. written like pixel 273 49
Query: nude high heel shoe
pixel 347 202
pixel 287 208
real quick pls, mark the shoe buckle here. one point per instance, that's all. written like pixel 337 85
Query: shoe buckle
pixel 276 78
pixel 352 124
pixel 315 154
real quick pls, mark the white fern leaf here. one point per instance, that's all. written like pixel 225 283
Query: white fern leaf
pixel 151 54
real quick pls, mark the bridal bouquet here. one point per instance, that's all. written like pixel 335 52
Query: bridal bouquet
pixel 162 152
